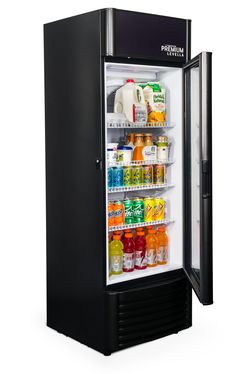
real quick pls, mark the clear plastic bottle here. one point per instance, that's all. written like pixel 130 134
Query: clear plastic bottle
pixel 152 245
pixel 126 231
pixel 129 253
pixel 116 255
pixel 140 251
pixel 163 243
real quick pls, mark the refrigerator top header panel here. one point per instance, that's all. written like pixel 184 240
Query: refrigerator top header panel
pixel 147 36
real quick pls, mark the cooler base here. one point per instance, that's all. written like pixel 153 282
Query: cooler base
pixel 149 311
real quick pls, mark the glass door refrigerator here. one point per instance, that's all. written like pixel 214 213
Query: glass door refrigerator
pixel 117 161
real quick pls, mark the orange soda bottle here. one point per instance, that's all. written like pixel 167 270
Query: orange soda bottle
pixel 152 247
pixel 110 214
pixel 118 213
pixel 162 252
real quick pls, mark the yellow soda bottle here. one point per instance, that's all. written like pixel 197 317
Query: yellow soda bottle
pixel 116 255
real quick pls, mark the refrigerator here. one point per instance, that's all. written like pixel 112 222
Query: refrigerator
pixel 87 58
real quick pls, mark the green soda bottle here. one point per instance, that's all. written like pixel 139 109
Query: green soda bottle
pixel 116 255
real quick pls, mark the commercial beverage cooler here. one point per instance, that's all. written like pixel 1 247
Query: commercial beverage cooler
pixel 88 58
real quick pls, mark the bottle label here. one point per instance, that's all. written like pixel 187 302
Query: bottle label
pixel 139 113
pixel 116 264
pixel 162 153
pixel 140 259
pixel 149 152
pixel 151 257
pixel 128 261
pixel 162 254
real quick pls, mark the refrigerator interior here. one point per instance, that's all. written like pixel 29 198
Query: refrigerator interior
pixel 171 79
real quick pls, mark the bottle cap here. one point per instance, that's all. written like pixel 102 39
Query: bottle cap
pixel 124 148
pixel 147 134
pixel 140 233
pixel 127 230
pixel 151 231
pixel 161 228
pixel 116 232
pixel 130 81
pixel 116 237
pixel 139 229
pixel 128 235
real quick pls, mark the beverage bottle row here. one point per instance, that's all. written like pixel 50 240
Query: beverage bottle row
pixel 136 210
pixel 128 176
pixel 139 147
pixel 138 251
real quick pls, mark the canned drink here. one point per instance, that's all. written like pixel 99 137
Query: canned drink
pixel 110 214
pixel 159 174
pixel 128 211
pixel 127 175
pixel 137 175
pixel 118 213
pixel 147 174
pixel 109 177
pixel 117 176
pixel 138 209
pixel 148 209
pixel 159 209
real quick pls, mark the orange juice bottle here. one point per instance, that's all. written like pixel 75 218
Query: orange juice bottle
pixel 138 148
pixel 152 244
pixel 146 228
pixel 162 252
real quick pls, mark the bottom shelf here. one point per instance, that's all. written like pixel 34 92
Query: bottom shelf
pixel 142 273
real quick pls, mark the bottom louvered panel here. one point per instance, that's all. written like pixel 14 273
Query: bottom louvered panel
pixel 147 313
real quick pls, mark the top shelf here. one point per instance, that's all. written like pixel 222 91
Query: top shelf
pixel 117 120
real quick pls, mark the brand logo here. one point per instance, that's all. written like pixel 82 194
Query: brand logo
pixel 118 212
pixel 172 50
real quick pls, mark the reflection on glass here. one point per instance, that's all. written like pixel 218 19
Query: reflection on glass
pixel 195 168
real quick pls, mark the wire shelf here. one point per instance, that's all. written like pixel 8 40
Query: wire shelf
pixel 132 125
pixel 140 187
pixel 118 120
pixel 140 163
pixel 141 224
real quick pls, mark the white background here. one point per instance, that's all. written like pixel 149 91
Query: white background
pixel 27 345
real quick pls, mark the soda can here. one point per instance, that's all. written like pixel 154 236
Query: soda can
pixel 148 209
pixel 159 174
pixel 117 176
pixel 118 213
pixel 127 176
pixel 128 211
pixel 138 209
pixel 159 209
pixel 147 174
pixel 137 175
pixel 110 214
pixel 109 177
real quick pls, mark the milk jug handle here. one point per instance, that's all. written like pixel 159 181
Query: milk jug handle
pixel 140 97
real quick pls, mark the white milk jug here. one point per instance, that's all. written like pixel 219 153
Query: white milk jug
pixel 129 100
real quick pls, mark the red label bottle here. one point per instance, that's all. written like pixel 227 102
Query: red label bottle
pixel 140 251
pixel 129 252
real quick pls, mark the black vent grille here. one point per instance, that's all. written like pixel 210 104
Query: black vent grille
pixel 154 312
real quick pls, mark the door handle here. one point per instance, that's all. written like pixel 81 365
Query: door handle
pixel 98 163
pixel 206 179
